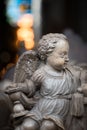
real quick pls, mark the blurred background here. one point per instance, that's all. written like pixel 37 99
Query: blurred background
pixel 23 22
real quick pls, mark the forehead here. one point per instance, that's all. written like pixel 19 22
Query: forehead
pixel 62 45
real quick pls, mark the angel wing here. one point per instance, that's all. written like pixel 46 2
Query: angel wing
pixel 27 63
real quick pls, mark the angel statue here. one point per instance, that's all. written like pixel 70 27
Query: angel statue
pixel 49 92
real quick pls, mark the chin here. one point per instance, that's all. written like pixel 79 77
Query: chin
pixel 58 68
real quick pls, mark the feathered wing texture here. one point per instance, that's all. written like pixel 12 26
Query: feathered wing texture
pixel 27 63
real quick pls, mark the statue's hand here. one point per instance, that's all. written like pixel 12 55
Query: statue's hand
pixel 5 84
pixel 16 87
pixel 14 90
pixel 9 89
pixel 83 89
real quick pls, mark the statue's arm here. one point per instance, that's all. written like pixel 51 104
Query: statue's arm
pixel 29 87
pixel 24 92
pixel 34 83
pixel 26 87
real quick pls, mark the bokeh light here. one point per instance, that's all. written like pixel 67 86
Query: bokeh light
pixel 19 13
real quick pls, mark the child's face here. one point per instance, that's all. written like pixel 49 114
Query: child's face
pixel 59 57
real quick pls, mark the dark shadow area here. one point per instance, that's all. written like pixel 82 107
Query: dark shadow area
pixel 60 14
pixel 8 49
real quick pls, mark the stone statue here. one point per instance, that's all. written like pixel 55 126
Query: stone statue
pixel 48 91
pixel 5 112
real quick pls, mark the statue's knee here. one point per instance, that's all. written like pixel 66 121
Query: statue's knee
pixel 48 125
pixel 29 124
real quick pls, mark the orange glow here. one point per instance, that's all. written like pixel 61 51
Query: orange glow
pixel 25 32
pixel 29 44
pixel 25 21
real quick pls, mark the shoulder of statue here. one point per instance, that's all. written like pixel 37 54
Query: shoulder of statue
pixel 39 74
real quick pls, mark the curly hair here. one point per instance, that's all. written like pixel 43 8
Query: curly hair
pixel 47 44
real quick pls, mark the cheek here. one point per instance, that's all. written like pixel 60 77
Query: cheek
pixel 52 61
pixel 55 61
pixel 61 61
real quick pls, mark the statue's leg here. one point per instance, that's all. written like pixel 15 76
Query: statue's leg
pixel 49 125
pixel 28 124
